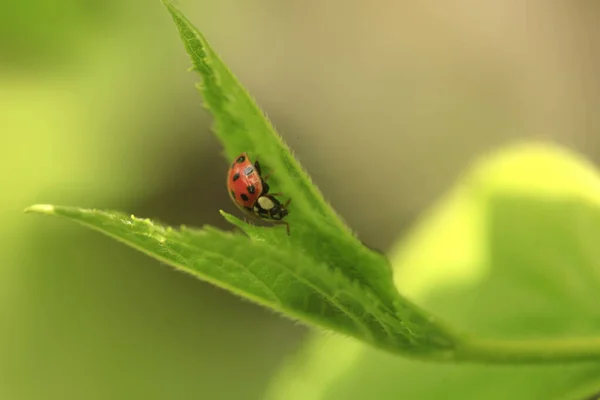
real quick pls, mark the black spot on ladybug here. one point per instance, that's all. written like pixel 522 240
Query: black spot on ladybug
pixel 233 194
pixel 241 159
pixel 236 176
pixel 251 189
pixel 244 197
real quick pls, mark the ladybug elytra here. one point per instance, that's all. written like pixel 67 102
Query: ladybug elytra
pixel 250 192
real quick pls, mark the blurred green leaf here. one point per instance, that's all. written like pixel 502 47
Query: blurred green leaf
pixel 526 265
pixel 39 34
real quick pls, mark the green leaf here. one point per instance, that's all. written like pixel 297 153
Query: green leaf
pixel 278 277
pixel 526 264
pixel 242 127
pixel 321 274
pixel 316 230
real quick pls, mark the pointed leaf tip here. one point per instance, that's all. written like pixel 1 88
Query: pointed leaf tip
pixel 40 208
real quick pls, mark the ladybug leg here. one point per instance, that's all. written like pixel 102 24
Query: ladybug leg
pixel 257 167
pixel 287 227
pixel 266 177
pixel 280 222
pixel 259 170
pixel 287 203
pixel 266 188
pixel 284 208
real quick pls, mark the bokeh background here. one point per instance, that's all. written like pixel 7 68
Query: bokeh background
pixel 385 103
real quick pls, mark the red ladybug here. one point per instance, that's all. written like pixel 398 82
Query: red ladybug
pixel 250 192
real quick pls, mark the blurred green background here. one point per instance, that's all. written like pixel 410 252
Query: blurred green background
pixel 97 110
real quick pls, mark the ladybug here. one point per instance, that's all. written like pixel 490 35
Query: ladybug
pixel 250 192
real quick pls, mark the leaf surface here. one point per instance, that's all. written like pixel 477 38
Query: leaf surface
pixel 278 277
pixel 525 265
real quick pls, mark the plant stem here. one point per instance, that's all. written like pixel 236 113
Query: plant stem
pixel 490 351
